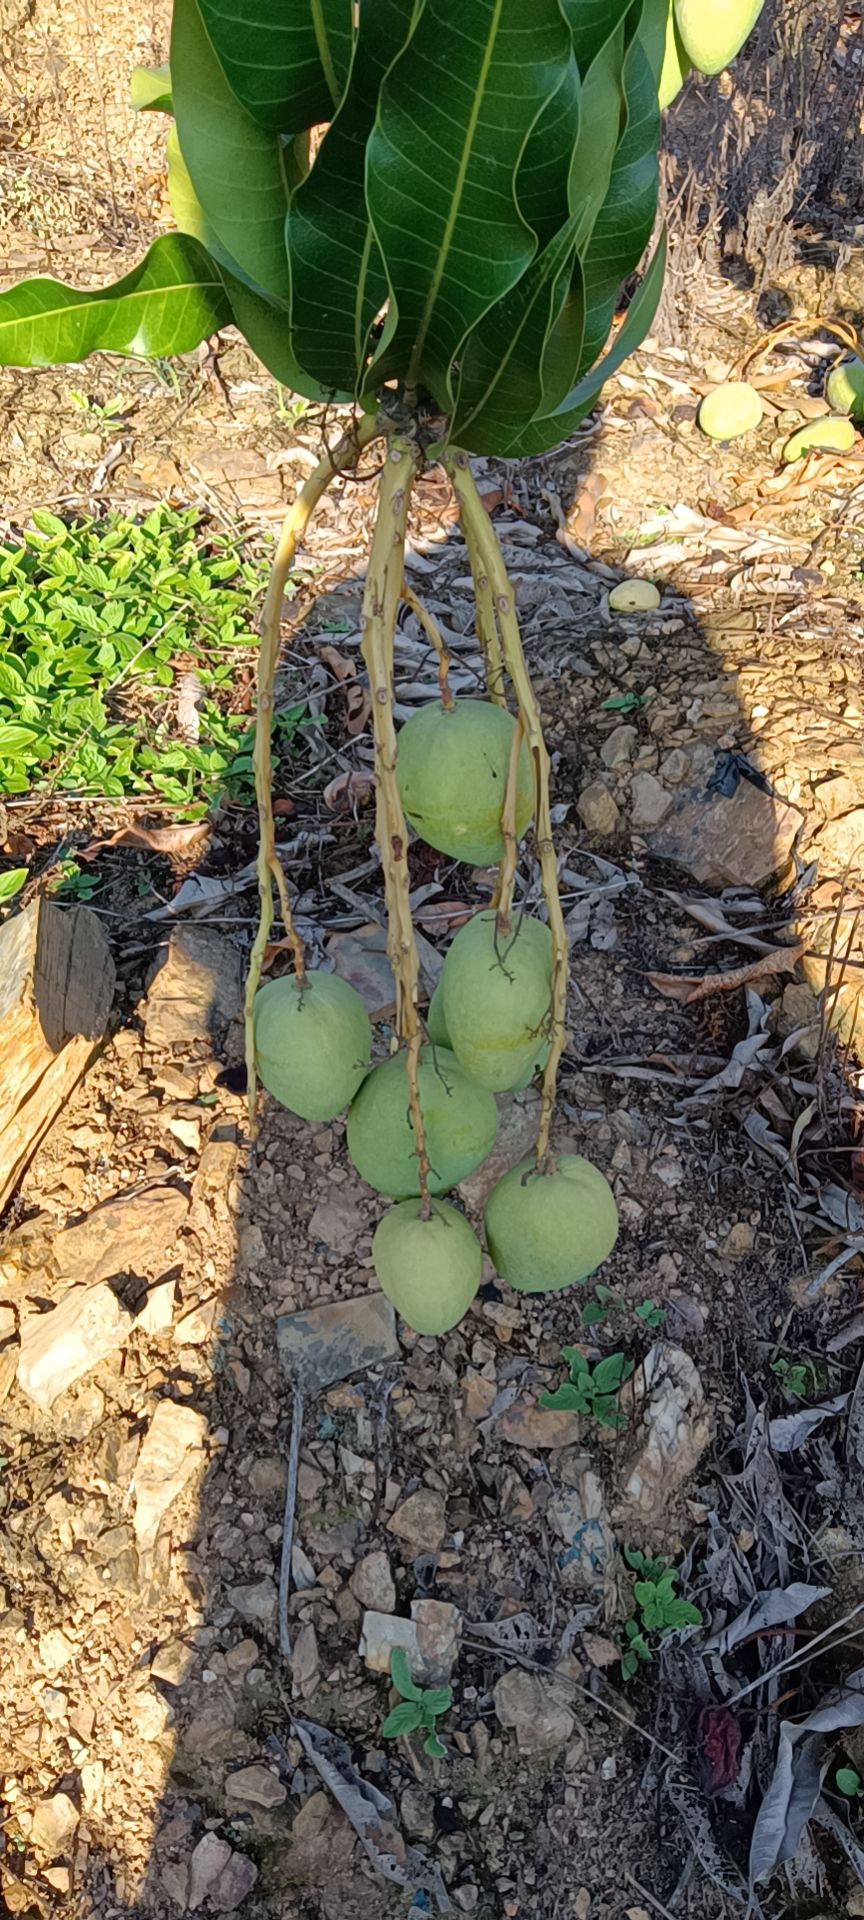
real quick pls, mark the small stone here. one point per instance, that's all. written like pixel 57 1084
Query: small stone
pixel 304 1658
pixel 597 809
pixel 537 1428
pixel 649 801
pixel 417 1813
pixel 518 1115
pixel 837 796
pixel 172 1453
pixel 675 767
pixel 256 1601
pixel 55 1650
pixel 208 1864
pixel 188 1132
pixel 148 1713
pixel 60 1346
pixel 535 1709
pixel 672 1428
pixel 478 1395
pixel 855 1903
pixel 59 1878
pixel 196 990
pixel 372 1583
pixel 840 844
pixel 738 1242
pixel 328 1343
pixel 421 1521
pixel 171 1663
pixel 600 1651
pixel 158 1311
pixel 133 1233
pixel 196 1327
pixel 54 1824
pixel 617 749
pixel 256 1786
pixel 337 1219
pixel 430 1640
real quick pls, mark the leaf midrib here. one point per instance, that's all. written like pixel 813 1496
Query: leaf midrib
pixel 111 298
pixel 456 200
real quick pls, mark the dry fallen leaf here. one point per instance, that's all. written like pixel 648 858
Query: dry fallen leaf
pixel 689 987
pixel 358 704
pixel 348 791
pixel 177 841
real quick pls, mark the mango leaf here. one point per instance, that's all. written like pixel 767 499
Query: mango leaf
pixel 150 89
pixel 337 278
pixel 592 23
pixel 454 114
pixel 541 180
pixel 507 364
pixel 558 426
pixel 266 330
pixel 168 303
pixel 652 33
pixel 624 222
pixel 237 169
pixel 286 60
pixel 593 154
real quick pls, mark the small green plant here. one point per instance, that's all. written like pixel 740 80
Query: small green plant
pixel 101 415
pixel 11 883
pixel 650 1314
pixel 420 1707
pixel 70 882
pixel 799 1378
pixel 660 1608
pixel 591 1390
pixel 848 1781
pixel 596 1310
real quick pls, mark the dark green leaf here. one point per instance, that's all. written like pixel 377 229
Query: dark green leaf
pixel 236 168
pixel 337 278
pixel 623 225
pixel 592 24
pixel 521 356
pixel 558 426
pixel 434 1747
pixel 541 179
pixel 848 1781
pixel 166 305
pixel 592 1314
pixel 610 1373
pixel 403 1719
pixel 286 60
pixel 437 1700
pixel 629 1663
pixel 566 1399
pixel 454 114
pixel 150 89
pixel 400 1674
pixel 645 1592
pixel 577 1363
pixel 682 1613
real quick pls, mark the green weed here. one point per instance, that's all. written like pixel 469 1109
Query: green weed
pixel 659 1609
pixel 96 622
pixel 420 1707
pixel 591 1390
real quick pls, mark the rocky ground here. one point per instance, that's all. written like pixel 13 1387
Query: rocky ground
pixel 162 1751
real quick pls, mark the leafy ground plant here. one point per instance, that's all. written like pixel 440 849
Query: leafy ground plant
pixel 419 1707
pixel 98 620
pixel 591 1390
pixel 659 1609
pixel 799 1378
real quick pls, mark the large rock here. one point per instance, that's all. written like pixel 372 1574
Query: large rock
pixel 840 845
pixel 328 1343
pixel 739 841
pixel 131 1234
pixel 196 991
pixel 59 1347
pixel 55 1821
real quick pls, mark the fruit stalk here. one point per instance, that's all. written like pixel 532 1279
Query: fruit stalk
pixel 345 454
pixel 436 639
pixel 385 579
pixel 487 625
pixel 503 897
pixel 479 531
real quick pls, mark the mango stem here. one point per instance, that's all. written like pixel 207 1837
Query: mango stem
pixel 487 625
pixel 435 638
pixel 385 581
pixel 503 897
pixel 345 454
pixel 480 537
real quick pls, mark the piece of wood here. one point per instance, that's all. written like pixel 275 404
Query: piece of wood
pixel 56 993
